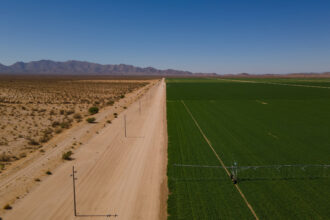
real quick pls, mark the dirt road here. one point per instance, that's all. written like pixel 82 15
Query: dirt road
pixel 118 175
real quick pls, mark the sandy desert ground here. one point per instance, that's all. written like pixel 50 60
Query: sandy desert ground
pixel 34 110
pixel 116 174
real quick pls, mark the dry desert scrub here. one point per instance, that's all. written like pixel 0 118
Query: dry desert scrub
pixel 35 109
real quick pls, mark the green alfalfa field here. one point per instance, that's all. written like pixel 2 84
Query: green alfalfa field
pixel 251 122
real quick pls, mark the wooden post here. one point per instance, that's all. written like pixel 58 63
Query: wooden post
pixel 74 192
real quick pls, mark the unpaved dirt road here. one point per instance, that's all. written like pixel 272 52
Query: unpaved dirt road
pixel 118 175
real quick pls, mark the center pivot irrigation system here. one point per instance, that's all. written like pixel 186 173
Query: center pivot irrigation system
pixel 75 202
pixel 269 172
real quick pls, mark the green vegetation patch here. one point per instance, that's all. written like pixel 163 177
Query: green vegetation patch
pixel 252 124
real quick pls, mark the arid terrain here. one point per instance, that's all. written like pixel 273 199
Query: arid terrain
pixel 101 154
pixel 33 110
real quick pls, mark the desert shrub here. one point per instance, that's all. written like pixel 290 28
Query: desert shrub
pixel 65 124
pixel 48 131
pixel 45 138
pixel 58 130
pixel 67 155
pixel 115 114
pixel 122 96
pixel 4 143
pixel 62 111
pixel 48 172
pixel 69 112
pixel 90 120
pixel 37 180
pixel 55 124
pixel 7 206
pixel 2 166
pixel 22 155
pixel 110 102
pixel 4 157
pixel 108 121
pixel 33 142
pixel 93 110
pixel 77 116
pixel 69 120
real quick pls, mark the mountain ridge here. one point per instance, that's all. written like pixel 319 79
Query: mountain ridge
pixel 75 67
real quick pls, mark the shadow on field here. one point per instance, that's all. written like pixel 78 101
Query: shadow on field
pixel 107 216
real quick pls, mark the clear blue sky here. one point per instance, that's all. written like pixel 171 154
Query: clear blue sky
pixel 269 36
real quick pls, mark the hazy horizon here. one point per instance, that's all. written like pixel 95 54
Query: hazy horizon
pixel 169 68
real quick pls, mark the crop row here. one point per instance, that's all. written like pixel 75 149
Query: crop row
pixel 252 124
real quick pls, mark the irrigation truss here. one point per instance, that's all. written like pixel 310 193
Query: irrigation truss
pixel 265 172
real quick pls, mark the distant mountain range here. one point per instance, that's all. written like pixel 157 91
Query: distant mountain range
pixel 73 67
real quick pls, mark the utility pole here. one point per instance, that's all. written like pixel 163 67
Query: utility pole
pixel 75 202
pixel 74 191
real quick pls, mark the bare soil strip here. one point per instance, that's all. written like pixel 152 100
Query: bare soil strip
pixel 115 174
pixel 220 160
